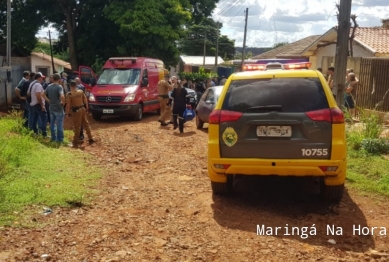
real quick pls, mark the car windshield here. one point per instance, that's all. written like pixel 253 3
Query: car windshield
pixel 290 95
pixel 116 76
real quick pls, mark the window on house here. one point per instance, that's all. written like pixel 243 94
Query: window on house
pixel 45 70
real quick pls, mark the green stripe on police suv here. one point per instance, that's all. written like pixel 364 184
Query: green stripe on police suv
pixel 305 232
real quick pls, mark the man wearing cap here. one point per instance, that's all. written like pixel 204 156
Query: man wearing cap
pixel 163 97
pixel 76 102
pixel 37 104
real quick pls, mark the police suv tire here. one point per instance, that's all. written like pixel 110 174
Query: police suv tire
pixel 96 116
pixel 138 113
pixel 332 193
pixel 222 188
pixel 199 123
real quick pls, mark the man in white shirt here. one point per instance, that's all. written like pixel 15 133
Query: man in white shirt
pixel 37 104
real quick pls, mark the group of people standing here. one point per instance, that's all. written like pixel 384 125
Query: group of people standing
pixel 172 107
pixel 173 98
pixel 44 102
pixel 351 84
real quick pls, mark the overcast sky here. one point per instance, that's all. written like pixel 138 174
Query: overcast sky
pixel 275 21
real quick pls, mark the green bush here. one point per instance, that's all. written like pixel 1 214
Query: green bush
pixel 364 138
pixel 375 146
pixel 197 77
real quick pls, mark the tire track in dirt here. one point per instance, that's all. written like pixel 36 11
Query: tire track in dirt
pixel 155 204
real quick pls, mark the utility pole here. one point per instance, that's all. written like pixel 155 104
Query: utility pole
pixel 217 45
pixel 8 82
pixel 51 53
pixel 341 55
pixel 244 38
pixel 9 33
pixel 205 46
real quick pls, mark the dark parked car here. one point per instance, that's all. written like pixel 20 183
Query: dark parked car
pixel 207 104
pixel 192 97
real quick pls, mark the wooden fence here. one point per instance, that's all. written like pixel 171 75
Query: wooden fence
pixel 373 75
pixel 373 91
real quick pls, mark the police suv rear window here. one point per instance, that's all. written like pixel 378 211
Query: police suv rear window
pixel 291 95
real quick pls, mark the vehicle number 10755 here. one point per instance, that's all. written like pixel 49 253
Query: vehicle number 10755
pixel 315 152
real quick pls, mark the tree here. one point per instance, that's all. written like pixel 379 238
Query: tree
pixel 45 48
pixel 354 27
pixel 25 23
pixel 202 9
pixel 150 28
pixel 279 44
pixel 193 44
pixel 248 55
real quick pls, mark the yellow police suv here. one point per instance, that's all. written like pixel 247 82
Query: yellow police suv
pixel 275 120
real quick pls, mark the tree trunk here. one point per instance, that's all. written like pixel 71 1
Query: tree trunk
pixel 72 46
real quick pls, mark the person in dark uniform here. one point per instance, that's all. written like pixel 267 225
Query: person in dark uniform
pixel 77 102
pixel 179 96
pixel 82 88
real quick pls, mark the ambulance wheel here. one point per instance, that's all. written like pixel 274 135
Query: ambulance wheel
pixel 96 117
pixel 138 113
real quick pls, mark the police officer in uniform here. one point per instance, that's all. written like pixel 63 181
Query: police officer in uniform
pixel 77 102
pixel 163 96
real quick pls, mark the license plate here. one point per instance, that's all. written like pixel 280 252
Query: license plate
pixel 107 111
pixel 274 131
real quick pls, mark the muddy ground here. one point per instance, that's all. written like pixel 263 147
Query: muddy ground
pixel 155 204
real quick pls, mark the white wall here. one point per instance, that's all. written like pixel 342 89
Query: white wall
pixel 40 62
pixel 330 50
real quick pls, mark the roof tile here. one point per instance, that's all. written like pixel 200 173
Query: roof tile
pixel 292 49
pixel 376 38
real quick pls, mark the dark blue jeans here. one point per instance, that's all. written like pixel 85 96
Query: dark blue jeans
pixel 56 126
pixel 39 114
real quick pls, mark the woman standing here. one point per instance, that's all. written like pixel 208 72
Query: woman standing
pixel 179 96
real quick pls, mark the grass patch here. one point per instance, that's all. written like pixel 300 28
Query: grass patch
pixel 368 156
pixel 37 172
pixel 369 174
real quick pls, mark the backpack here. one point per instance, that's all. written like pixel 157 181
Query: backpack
pixel 189 114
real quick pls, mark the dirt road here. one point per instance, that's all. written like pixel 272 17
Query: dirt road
pixel 155 204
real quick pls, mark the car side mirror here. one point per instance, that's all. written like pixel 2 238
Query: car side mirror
pixel 145 82
pixel 92 81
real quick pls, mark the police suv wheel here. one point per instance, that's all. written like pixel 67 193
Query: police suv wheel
pixel 223 188
pixel 331 193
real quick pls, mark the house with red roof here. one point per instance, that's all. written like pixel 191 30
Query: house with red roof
pixel 321 49
pixel 367 42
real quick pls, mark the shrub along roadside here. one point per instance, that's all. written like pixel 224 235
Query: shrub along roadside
pixel 368 163
pixel 35 173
